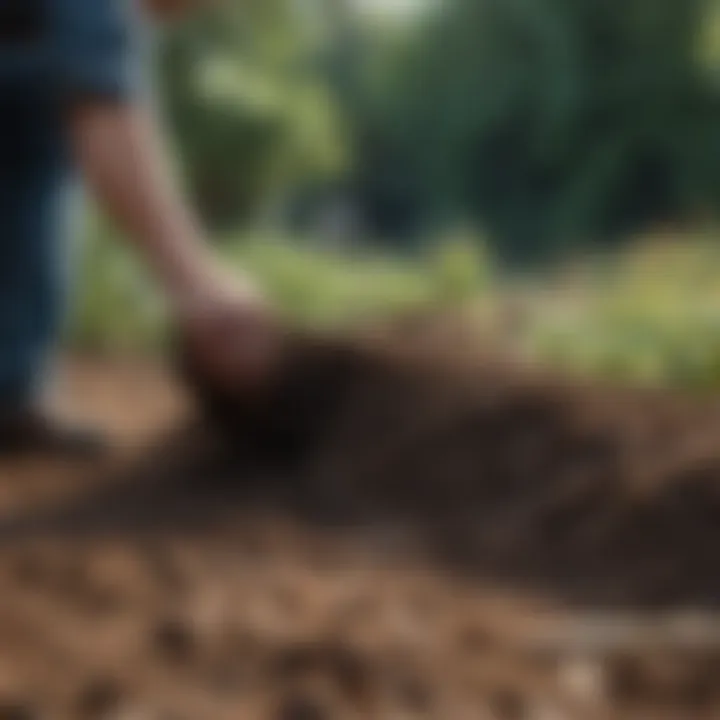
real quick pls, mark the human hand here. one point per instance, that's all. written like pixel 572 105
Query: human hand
pixel 228 332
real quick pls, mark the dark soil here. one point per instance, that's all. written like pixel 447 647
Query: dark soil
pixel 403 528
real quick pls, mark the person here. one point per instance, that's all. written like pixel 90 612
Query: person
pixel 74 105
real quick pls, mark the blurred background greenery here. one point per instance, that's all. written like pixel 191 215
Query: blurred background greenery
pixel 365 156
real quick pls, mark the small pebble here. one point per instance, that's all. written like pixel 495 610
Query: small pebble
pixel 584 679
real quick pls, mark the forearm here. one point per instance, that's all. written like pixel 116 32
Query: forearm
pixel 125 165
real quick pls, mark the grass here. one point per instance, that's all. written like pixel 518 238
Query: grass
pixel 650 315
pixel 118 310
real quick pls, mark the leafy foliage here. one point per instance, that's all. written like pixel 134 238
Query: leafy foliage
pixel 119 311
pixel 649 315
pixel 550 123
pixel 251 115
pixel 558 121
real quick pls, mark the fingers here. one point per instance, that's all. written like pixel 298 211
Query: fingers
pixel 235 346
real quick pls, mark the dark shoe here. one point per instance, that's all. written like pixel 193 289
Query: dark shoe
pixel 34 433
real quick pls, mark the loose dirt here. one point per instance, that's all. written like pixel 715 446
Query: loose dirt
pixel 405 528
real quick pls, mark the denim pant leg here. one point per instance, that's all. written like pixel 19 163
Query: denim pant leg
pixel 33 269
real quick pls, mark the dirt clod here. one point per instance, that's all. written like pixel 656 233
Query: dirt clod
pixel 175 641
pixel 302 708
pixel 17 710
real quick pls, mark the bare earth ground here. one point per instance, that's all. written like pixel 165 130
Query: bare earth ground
pixel 143 592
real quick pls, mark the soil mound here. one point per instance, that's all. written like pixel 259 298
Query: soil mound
pixel 403 528
pixel 602 495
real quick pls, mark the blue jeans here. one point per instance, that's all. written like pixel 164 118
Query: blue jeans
pixel 50 53
pixel 35 183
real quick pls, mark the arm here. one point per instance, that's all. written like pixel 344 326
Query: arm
pixel 120 153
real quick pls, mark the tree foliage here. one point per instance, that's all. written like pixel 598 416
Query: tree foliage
pixel 251 115
pixel 551 123
pixel 560 121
